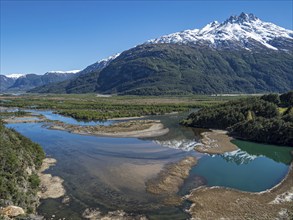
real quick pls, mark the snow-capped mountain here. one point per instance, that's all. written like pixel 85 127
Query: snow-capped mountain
pixel 245 30
pixel 64 72
pixel 101 64
pixel 240 55
pixel 6 82
pixel 24 82
pixel 15 75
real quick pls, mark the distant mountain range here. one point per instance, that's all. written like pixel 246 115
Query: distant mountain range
pixel 24 82
pixel 243 54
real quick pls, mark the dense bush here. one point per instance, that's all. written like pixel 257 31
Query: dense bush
pixel 287 99
pixel 258 119
pixel 18 155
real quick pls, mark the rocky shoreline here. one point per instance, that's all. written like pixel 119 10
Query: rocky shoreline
pixel 51 186
pixel 132 128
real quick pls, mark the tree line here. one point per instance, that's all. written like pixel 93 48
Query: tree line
pixel 266 119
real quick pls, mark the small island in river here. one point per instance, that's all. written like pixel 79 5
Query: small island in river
pixel 132 128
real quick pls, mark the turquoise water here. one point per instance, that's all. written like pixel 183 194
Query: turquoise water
pixel 110 173
pixel 254 167
pixel 257 175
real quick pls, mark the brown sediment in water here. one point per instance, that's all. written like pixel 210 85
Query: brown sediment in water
pixel 224 203
pixel 171 178
pixel 133 128
pixel 216 142
pixel 51 186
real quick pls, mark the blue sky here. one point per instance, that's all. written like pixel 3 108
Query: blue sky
pixel 38 36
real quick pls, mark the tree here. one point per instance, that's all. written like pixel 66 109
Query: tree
pixel 287 99
pixel 274 98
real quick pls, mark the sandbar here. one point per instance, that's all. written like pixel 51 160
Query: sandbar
pixel 132 128
pixel 215 142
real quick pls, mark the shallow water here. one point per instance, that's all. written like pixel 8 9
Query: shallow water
pixel 68 120
pixel 110 173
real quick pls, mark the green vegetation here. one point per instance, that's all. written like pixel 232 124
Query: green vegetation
pixel 10 114
pixel 91 107
pixel 20 159
pixel 256 119
pixel 171 69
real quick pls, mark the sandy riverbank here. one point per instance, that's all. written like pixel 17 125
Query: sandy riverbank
pixel 51 186
pixel 224 203
pixel 125 118
pixel 215 142
pixel 134 128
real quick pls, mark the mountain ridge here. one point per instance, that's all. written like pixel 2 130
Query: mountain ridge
pixel 24 82
pixel 236 28
pixel 240 55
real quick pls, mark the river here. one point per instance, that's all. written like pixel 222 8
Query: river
pixel 110 173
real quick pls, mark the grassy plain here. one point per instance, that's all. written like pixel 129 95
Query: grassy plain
pixel 95 107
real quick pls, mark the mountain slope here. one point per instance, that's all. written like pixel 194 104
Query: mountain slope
pixel 240 55
pixel 98 66
pixel 83 82
pixel 178 69
pixel 6 82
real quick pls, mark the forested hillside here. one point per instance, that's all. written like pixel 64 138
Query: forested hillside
pixel 168 69
pixel 266 119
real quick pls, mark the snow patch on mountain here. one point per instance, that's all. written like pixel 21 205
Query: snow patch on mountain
pixel 110 58
pixel 237 29
pixel 64 72
pixel 101 64
pixel 15 75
